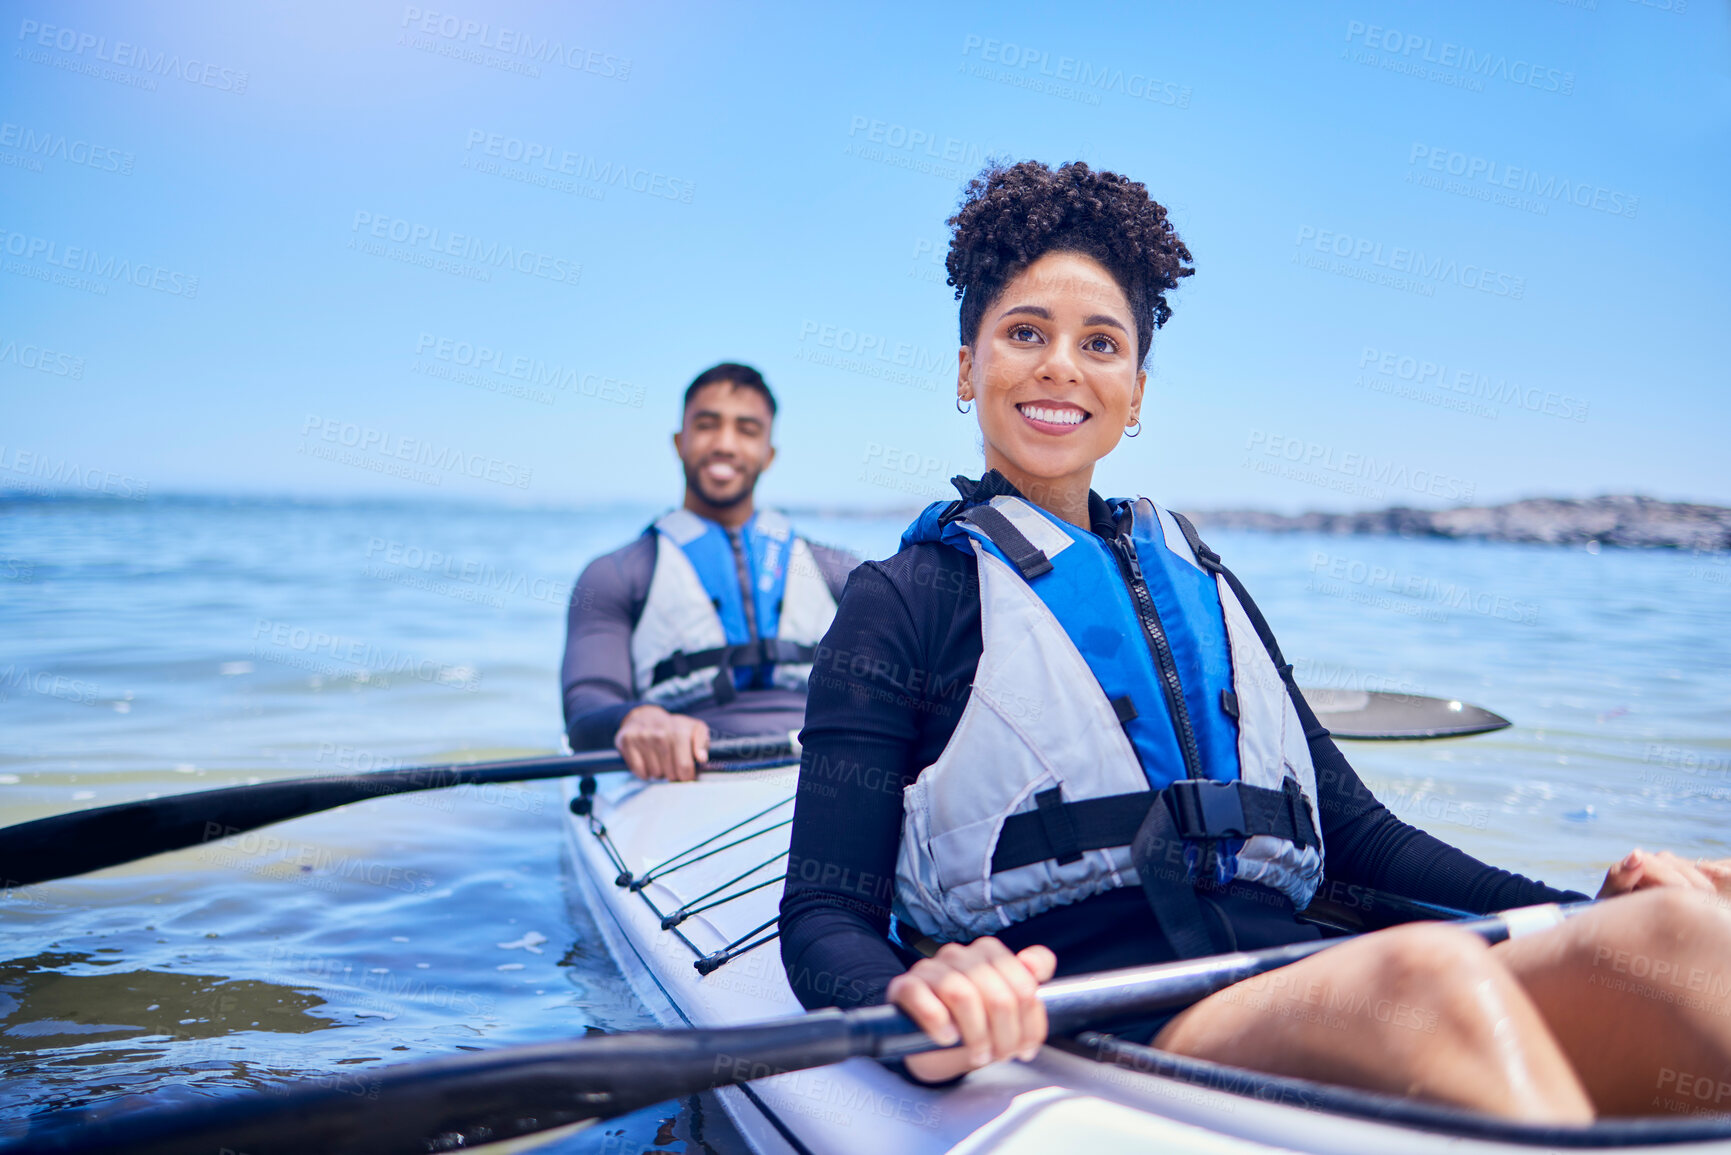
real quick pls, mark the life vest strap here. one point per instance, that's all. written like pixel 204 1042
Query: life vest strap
pixel 763 651
pixel 1209 559
pixel 1030 561
pixel 1202 811
pixel 1166 866
pixel 1096 824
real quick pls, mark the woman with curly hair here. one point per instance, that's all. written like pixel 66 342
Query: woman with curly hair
pixel 1053 734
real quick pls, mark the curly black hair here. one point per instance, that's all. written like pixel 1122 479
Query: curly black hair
pixel 1012 215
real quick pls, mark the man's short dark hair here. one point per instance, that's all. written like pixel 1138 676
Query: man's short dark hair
pixel 735 374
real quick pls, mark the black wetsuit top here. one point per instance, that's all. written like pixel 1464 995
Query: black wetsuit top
pixel 596 676
pixel 888 687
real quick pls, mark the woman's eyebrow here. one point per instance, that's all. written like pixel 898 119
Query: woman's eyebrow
pixel 1045 314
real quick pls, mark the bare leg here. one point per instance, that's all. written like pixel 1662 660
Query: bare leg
pixel 1425 1011
pixel 1637 992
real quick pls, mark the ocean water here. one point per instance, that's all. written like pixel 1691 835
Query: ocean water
pixel 155 647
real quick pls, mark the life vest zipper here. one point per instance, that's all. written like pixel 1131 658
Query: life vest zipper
pixel 747 596
pixel 1155 634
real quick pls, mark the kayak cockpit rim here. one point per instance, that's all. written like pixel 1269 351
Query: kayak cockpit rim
pixel 1375 1106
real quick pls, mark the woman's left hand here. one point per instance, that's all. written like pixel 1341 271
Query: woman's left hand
pixel 1646 869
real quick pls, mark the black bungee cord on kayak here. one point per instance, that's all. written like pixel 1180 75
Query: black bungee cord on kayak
pixel 583 805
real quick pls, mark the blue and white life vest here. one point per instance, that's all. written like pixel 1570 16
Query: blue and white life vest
pixel 1122 689
pixel 693 639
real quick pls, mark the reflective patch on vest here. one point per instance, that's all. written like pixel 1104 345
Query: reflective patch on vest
pixel 678 617
pixel 1175 540
pixel 683 526
pixel 1041 533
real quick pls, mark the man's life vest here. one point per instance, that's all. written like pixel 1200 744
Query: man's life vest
pixel 694 640
pixel 1126 726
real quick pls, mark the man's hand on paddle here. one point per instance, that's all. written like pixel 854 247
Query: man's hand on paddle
pixel 1646 869
pixel 657 744
pixel 979 996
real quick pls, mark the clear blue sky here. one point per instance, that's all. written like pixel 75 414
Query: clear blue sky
pixel 1542 312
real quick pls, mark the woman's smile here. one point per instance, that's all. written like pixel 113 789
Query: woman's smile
pixel 1056 418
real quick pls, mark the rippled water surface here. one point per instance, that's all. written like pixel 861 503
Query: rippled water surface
pixel 153 648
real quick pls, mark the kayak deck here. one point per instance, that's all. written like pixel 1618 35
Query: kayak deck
pixel 689 876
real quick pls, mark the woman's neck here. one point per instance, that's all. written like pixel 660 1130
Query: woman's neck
pixel 1065 498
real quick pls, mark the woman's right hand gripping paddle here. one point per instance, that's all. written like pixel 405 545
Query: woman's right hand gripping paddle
pixel 979 1000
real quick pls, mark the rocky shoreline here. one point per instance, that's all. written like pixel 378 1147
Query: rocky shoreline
pixel 1624 521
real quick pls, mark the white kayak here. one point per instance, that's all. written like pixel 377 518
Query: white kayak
pixel 685 880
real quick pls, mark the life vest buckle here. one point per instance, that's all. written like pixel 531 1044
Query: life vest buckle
pixel 1208 811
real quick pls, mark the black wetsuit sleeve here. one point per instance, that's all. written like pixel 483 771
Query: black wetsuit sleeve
pixel 858 743
pixel 595 676
pixel 835 565
pixel 1366 845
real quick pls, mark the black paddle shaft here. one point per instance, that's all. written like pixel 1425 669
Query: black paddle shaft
pixel 86 840
pixel 465 1100
pixel 454 1103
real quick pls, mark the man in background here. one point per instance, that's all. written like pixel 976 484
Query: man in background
pixel 708 621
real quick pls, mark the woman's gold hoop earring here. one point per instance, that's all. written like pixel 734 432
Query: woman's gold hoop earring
pixel 959 408
pixel 1138 432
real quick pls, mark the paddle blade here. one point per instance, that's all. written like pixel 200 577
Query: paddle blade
pixel 1374 716
pixel 84 840
pixel 455 1103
